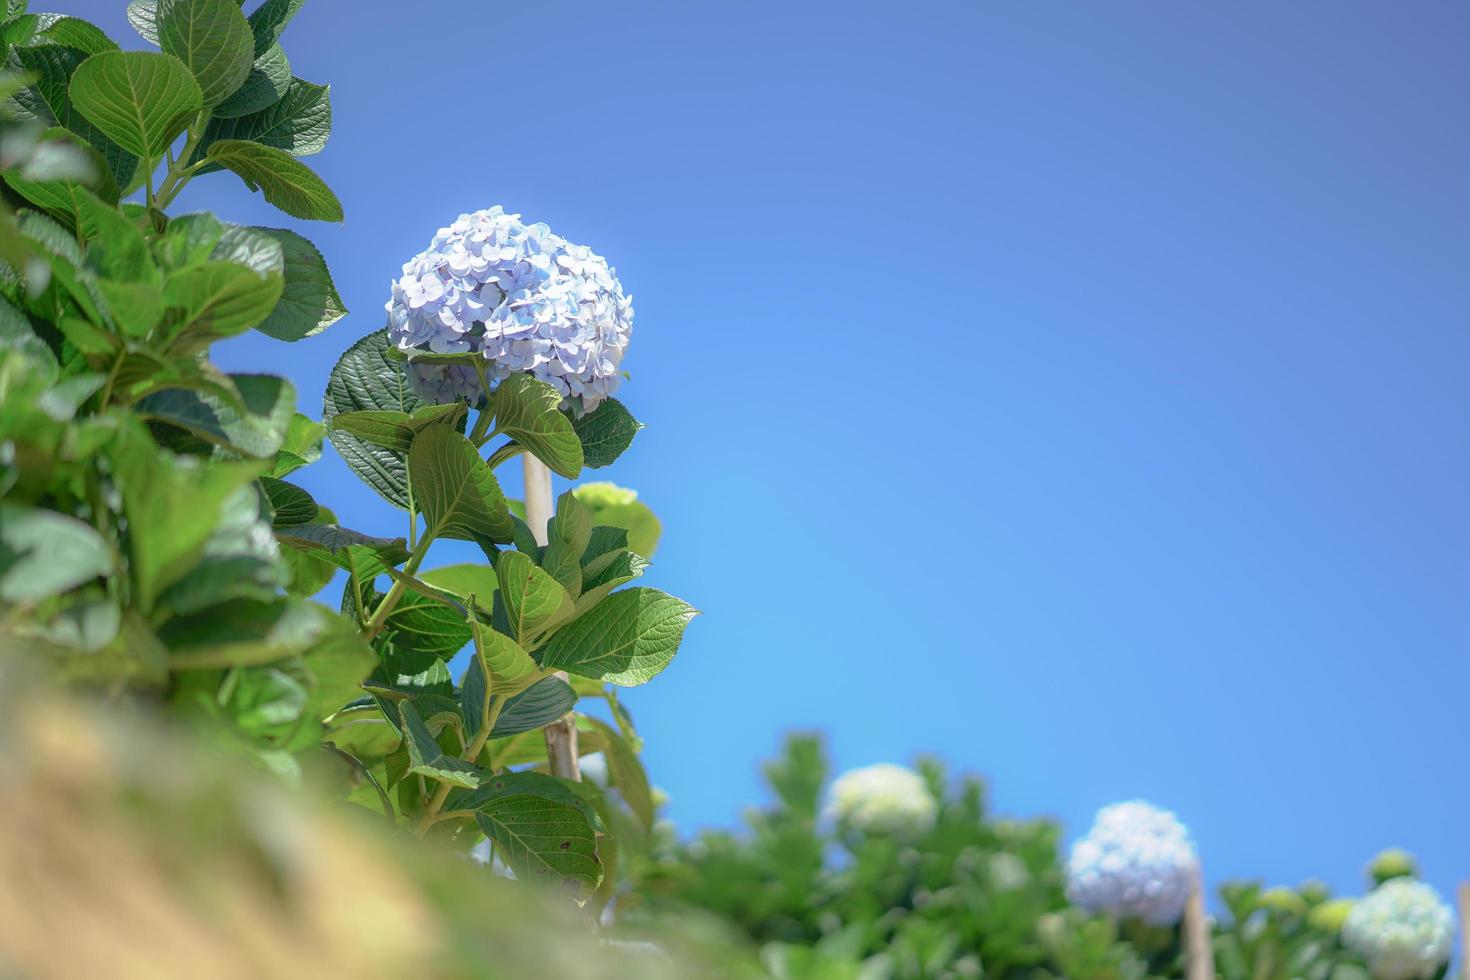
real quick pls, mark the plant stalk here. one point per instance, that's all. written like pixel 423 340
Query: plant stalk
pixel 1465 929
pixel 1198 947
pixel 561 735
pixel 390 601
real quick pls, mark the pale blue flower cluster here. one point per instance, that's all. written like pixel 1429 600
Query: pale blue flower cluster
pixel 1402 929
pixel 1137 862
pixel 525 298
pixel 883 799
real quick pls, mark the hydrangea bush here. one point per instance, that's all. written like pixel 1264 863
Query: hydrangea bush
pixel 971 894
pixel 1137 861
pixel 154 543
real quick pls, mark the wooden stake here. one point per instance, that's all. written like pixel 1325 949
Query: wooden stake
pixel 561 735
pixel 1465 929
pixel 1198 946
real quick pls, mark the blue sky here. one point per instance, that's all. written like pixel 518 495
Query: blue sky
pixel 1075 390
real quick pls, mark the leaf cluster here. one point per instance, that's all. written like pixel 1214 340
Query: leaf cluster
pixel 154 544
pixel 975 895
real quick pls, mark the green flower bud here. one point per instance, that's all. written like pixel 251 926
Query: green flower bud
pixel 1329 916
pixel 1392 863
pixel 1283 900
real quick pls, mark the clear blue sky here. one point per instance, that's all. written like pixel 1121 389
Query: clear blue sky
pixel 1078 390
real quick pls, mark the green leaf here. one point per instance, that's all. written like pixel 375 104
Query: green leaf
pixel 268 80
pixel 427 759
pixel 239 561
pixel 245 632
pixel 143 15
pixel 335 543
pixel 286 182
pixel 624 568
pixel 627 771
pixel 409 673
pixel 527 410
pixel 366 378
pixel 533 599
pixel 215 300
pixel 172 506
pixel 541 838
pixel 270 19
pixel 421 625
pixel 397 430
pixel 59 175
pixel 255 426
pixel 605 432
pixel 299 122
pixel 456 489
pixel 466 580
pixel 302 445
pixel 568 533
pixel 536 707
pixel 309 574
pixel 617 506
pixel 136 307
pixel 189 241
pixel 309 300
pixel 573 794
pixel 43 553
pixel 252 247
pixel 52 66
pixel 291 506
pixel 626 639
pixel 138 99
pixel 509 668
pixel 212 38
pixel 113 245
pixel 73 32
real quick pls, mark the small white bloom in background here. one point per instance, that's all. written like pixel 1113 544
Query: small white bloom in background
pixel 1136 862
pixel 883 799
pixel 1402 929
pixel 523 297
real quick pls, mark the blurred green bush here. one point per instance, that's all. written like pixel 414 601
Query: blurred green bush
pixel 973 896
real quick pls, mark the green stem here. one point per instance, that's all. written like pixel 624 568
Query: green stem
pixel 177 176
pixel 390 601
pixel 493 704
pixel 112 379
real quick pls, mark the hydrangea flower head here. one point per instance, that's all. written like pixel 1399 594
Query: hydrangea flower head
pixel 524 298
pixel 1402 929
pixel 1137 861
pixel 883 799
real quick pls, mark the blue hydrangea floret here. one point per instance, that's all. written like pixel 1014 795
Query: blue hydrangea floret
pixel 521 296
pixel 1137 862
pixel 1402 929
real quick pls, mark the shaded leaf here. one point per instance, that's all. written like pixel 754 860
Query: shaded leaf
pixel 527 410
pixel 605 432
pixel 456 489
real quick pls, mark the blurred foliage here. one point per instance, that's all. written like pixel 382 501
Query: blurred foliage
pixel 133 850
pixel 975 896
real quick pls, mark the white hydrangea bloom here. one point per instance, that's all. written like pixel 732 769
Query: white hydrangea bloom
pixel 883 799
pixel 1402 929
pixel 525 298
pixel 1137 861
